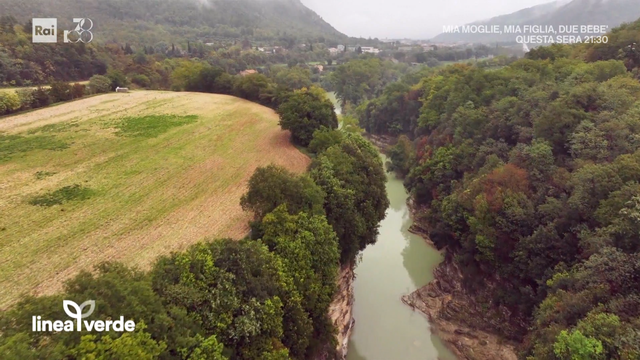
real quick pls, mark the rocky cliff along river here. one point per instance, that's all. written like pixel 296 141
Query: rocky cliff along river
pixel 399 263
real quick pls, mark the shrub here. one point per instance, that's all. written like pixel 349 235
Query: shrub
pixel 118 79
pixel 77 90
pixel 9 102
pixel 26 98
pixel 60 91
pixel 253 87
pixel 99 84
pixel 40 98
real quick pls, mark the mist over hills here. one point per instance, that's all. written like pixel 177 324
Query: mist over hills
pixel 561 12
pixel 147 21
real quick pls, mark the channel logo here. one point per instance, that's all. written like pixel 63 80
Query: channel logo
pixel 78 313
pixel 82 32
pixel 44 30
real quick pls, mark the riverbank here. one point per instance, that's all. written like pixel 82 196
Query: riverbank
pixel 457 317
pixel 397 264
pixel 341 310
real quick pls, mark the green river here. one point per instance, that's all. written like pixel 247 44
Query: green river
pixel 399 263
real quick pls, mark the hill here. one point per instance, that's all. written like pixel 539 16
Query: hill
pixel 134 176
pixel 563 12
pixel 151 21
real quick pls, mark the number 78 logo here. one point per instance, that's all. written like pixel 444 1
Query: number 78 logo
pixel 81 33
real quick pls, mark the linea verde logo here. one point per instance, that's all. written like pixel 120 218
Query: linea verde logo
pixel 78 312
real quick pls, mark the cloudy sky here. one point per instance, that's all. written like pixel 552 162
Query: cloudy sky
pixel 418 19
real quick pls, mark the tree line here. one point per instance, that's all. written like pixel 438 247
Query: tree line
pixel 146 64
pixel 266 296
pixel 529 176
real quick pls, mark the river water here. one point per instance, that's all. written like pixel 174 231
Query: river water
pixel 399 263
pixel 336 103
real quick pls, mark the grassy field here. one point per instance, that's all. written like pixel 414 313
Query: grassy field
pixel 126 177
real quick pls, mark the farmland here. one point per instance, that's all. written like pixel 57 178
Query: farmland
pixel 126 177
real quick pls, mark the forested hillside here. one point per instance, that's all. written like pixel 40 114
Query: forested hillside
pixel 530 177
pixel 151 21
pixel 23 63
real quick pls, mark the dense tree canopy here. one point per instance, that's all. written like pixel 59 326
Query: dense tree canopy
pixel 309 250
pixel 529 174
pixel 362 79
pixel 352 176
pixel 235 290
pixel 306 111
pixel 272 186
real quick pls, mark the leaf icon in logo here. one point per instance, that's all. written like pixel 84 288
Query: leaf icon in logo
pixel 92 306
pixel 77 313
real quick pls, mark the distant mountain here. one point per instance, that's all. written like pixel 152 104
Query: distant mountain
pixel 562 12
pixel 136 21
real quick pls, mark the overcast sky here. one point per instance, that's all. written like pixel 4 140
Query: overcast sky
pixel 418 19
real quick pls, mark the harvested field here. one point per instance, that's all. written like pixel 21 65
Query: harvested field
pixel 126 177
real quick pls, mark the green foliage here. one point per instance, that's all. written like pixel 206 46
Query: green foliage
pixel 352 177
pixel 23 63
pixel 40 98
pixel 394 112
pixel 306 111
pixel 272 186
pixel 323 139
pixel 117 78
pixel 361 79
pixel 575 346
pixel 26 98
pixel 402 156
pixel 178 21
pixel 138 345
pixel 308 247
pixel 207 349
pixel 151 126
pixel 619 46
pixel 235 290
pixel 141 80
pixel 552 52
pixel 255 87
pixel 9 102
pixel 99 84
pixel 117 291
pixel 18 347
pixel 350 124
pixel 64 194
pixel 60 91
pixel 247 299
pixel 294 78
pixel 198 76
pixel 529 176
